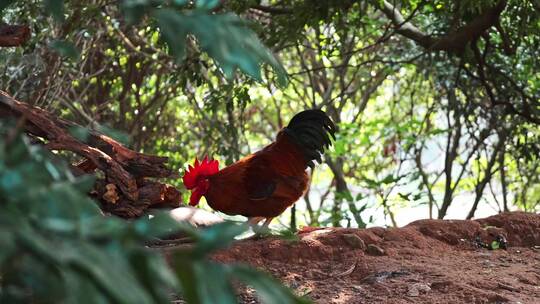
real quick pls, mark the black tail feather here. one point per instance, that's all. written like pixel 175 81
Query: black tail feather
pixel 311 130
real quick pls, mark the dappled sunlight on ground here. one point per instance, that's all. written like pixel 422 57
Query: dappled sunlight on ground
pixel 428 261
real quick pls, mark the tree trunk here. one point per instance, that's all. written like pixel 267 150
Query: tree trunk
pixel 293 218
pixel 503 180
pixel 479 189
pixel 341 187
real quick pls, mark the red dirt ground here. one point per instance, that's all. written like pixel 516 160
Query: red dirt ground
pixel 427 261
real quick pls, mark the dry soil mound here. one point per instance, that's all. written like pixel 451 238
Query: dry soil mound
pixel 428 261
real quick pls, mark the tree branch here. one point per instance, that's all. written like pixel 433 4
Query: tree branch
pixel 454 42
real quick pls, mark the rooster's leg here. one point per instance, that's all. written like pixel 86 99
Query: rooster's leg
pixel 267 223
pixel 258 230
pixel 253 221
pixel 263 229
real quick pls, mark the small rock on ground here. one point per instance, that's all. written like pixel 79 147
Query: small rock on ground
pixel 417 288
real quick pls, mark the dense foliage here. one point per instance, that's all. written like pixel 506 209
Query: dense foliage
pixel 437 104
pixel 57 247
pixel 436 101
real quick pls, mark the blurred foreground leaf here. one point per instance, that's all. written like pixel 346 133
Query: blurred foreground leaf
pixel 57 247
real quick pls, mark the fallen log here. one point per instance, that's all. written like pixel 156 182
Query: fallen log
pixel 126 190
pixel 13 35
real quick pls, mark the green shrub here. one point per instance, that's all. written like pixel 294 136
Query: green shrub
pixel 57 247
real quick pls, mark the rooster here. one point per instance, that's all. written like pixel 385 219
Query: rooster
pixel 263 185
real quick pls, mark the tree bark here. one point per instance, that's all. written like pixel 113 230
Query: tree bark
pixel 13 35
pixel 293 218
pixel 125 191
pixel 503 179
pixel 454 42
pixel 451 154
pixel 479 188
pixel 341 187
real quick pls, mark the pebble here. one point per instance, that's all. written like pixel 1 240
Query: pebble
pixel 417 288
pixel 358 288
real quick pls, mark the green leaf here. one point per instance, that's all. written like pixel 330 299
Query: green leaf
pixel 214 283
pixel 110 272
pixel 98 228
pixel 160 225
pixel 80 133
pixel 65 49
pixel 84 183
pixel 7 243
pixel 216 237
pixel 17 152
pixel 63 201
pixel 38 247
pixel 183 268
pixel 203 282
pixel 117 135
pixel 81 289
pixel 213 237
pixel 339 147
pixel 207 4
pixel 225 37
pixel 155 275
pixel 174 31
pixel 55 8
pixel 11 181
pixel 417 196
pixel 404 196
pixel 268 289
pixel 180 2
pixel 389 179
pixel 372 184
pixel 134 10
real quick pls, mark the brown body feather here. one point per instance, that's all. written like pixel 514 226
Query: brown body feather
pixel 262 184
pixel 265 183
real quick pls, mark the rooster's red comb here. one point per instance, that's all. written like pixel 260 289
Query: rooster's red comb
pixel 204 168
